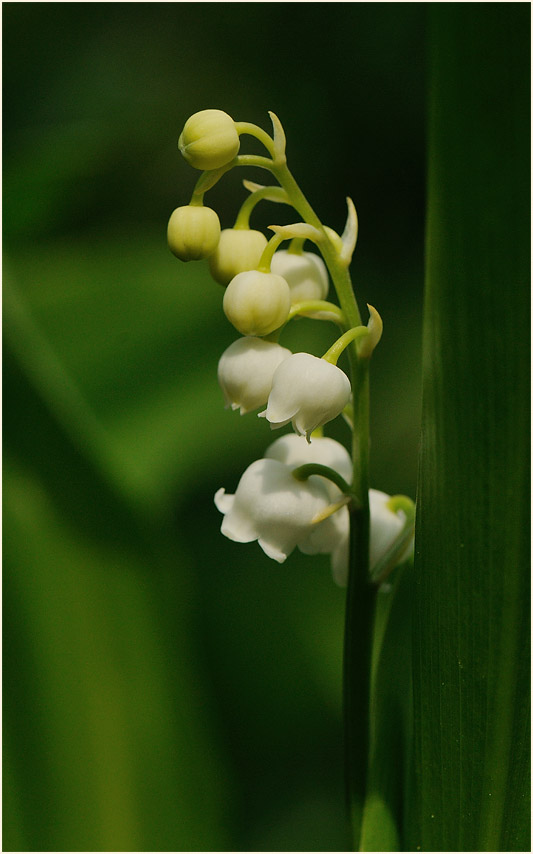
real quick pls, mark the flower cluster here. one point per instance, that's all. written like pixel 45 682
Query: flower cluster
pixel 300 494
pixel 271 506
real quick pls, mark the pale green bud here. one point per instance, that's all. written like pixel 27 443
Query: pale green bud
pixel 193 232
pixel 209 139
pixel 257 303
pixel 239 250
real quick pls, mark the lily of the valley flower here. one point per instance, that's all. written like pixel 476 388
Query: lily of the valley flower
pixel 238 250
pixel 272 507
pixel 305 274
pixel 209 139
pixel 257 303
pixel 245 372
pixel 193 232
pixel 385 526
pixel 307 391
pixel 294 451
pixel 326 536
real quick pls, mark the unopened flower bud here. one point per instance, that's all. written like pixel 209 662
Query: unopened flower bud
pixel 307 391
pixel 209 139
pixel 245 372
pixel 257 303
pixel 193 232
pixel 238 250
pixel 306 274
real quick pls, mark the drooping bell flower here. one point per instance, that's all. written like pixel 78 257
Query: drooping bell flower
pixel 245 372
pixel 272 507
pixel 385 527
pixel 294 451
pixel 308 392
pixel 305 273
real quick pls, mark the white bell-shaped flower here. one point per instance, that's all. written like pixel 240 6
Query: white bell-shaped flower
pixel 257 303
pixel 245 372
pixel 305 273
pixel 307 391
pixel 326 536
pixel 385 526
pixel 295 451
pixel 272 507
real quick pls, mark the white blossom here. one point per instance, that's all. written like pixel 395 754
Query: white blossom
pixel 294 451
pixel 272 507
pixel 307 391
pixel 326 536
pixel 305 273
pixel 245 372
pixel 385 526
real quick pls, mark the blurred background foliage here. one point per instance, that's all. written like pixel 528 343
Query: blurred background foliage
pixel 164 688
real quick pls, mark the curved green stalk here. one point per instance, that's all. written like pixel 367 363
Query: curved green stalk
pixel 361 593
pixel 260 134
pixel 266 257
pixel 332 355
pixel 308 469
pixel 317 306
pixel 243 217
pixel 296 246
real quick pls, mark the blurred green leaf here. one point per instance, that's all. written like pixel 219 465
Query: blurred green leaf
pixel 131 348
pixel 87 691
pixel 471 626
pixel 81 365
pixel 108 735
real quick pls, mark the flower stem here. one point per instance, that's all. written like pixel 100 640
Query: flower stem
pixel 310 307
pixel 266 256
pixel 259 133
pixel 270 193
pixel 359 629
pixel 332 355
pixel 361 594
pixel 309 469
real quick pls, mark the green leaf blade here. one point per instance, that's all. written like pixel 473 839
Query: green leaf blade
pixel 471 629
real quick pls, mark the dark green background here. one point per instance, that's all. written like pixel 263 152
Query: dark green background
pixel 164 688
